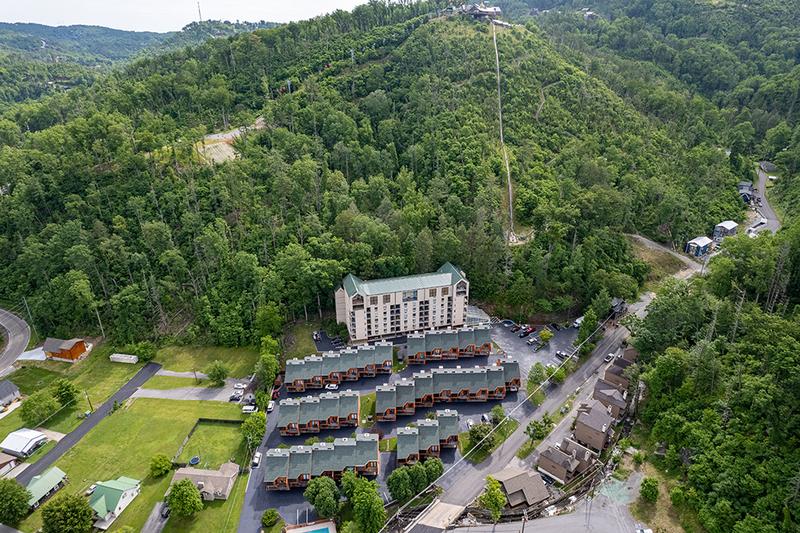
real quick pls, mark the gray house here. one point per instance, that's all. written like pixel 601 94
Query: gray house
pixel 8 392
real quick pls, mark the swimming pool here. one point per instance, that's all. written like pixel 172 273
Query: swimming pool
pixel 320 530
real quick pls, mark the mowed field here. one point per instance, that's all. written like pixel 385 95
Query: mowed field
pixel 122 445
pixel 240 361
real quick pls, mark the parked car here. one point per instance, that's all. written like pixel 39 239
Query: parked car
pixel 270 406
pixel 256 459
pixel 556 326
pixel 578 322
pixel 331 386
pixel 249 399
pixel 608 358
pixel 561 355
pixel 485 418
pixel 470 423
pixel 508 323
pixel 533 340
pixel 90 490
pixel 515 328
pixel 276 394
pixel 235 397
pixel 165 511
pixel 239 386
pixel 537 347
pixel 249 409
pixel 525 332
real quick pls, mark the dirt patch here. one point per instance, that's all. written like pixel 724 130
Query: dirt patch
pixel 662 263
pixel 661 516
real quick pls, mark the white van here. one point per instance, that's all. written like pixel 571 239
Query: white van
pixel 578 322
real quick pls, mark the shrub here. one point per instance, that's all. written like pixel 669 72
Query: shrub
pixel 270 518
pixel 649 490
pixel 160 465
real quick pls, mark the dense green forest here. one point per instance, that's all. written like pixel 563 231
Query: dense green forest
pixel 382 160
pixel 36 60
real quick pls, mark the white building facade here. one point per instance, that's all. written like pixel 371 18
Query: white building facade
pixel 391 307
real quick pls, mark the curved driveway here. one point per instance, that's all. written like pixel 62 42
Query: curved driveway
pixel 18 334
pixel 773 224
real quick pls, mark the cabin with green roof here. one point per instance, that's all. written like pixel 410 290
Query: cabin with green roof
pixel 110 498
pixel 45 485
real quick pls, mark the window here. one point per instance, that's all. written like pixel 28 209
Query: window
pixel 445 291
pixel 373 300
pixel 432 293
pixel 387 298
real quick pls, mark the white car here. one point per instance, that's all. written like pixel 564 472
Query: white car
pixel 90 490
pixel 608 358
pixel 331 386
pixel 270 406
pixel 256 459
pixel 249 409
pixel 239 386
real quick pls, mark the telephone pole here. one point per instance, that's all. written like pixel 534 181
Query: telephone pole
pixel 199 14
pixel 91 408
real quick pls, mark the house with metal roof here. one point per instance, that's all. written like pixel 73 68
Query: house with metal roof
pixel 311 414
pixel 23 442
pixel 45 485
pixel 351 364
pixel 471 384
pixel 110 498
pixel 422 348
pixel 70 350
pixel 724 229
pixel 699 246
pixel 382 308
pixel 428 437
pixel 285 469
pixel 9 393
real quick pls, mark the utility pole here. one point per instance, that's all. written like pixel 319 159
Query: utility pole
pixel 30 317
pixel 199 14
pixel 97 314
pixel 91 408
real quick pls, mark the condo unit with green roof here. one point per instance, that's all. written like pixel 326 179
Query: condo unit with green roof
pixel 384 308
pixel 470 384
pixel 449 344
pixel 310 414
pixel 351 364
pixel 110 498
pixel 428 437
pixel 286 469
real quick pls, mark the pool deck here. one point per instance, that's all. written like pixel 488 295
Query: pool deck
pixel 319 526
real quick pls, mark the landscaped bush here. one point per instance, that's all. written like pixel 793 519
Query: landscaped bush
pixel 270 518
pixel 160 465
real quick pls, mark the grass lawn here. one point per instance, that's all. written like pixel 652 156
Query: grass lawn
pixel 526 449
pixel 662 515
pixel 122 445
pixel 240 361
pixel 219 516
pixel 478 456
pixel 397 365
pixel 367 404
pixel 298 342
pixel 215 444
pixel 388 445
pixel 277 528
pixel 172 382
pixel 96 376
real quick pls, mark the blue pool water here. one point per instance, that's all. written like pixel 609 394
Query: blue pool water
pixel 320 530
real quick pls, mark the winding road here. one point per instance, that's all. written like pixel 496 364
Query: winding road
pixel 18 334
pixel 773 223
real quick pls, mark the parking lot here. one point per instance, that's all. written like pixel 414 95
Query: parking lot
pixel 291 504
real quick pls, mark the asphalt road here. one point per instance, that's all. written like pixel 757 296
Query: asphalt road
pixel 773 224
pixel 72 438
pixel 18 334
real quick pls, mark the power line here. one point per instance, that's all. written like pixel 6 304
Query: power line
pixel 495 428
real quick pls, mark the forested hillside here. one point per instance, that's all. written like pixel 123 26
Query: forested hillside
pixel 383 160
pixel 36 59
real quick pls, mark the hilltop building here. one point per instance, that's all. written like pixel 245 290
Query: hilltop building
pixel 391 307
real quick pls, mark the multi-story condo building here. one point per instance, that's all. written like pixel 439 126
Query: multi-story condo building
pixel 427 438
pixel 311 414
pixel 390 307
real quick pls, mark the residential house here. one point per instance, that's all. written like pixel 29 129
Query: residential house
pixel 618 307
pixel 594 426
pixel 111 497
pixel 725 229
pixel 615 373
pixel 610 396
pixel 310 414
pixel 565 461
pixel 473 384
pixel 64 350
pixel 481 11
pixel 314 372
pixel 286 469
pixel 746 191
pixel 699 246
pixel 9 393
pixel 23 442
pixel 630 354
pixel 212 484
pixel 7 463
pixel 391 307
pixel 522 486
pixel 423 348
pixel 427 438
pixel 45 485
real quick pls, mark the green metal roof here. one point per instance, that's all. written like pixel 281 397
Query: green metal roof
pixel 300 461
pixel 44 483
pixel 423 384
pixel 406 391
pixel 385 398
pixel 446 275
pixel 322 458
pixel 448 423
pixel 328 405
pixel 107 494
pixel 348 403
pixel 289 412
pixel 309 409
